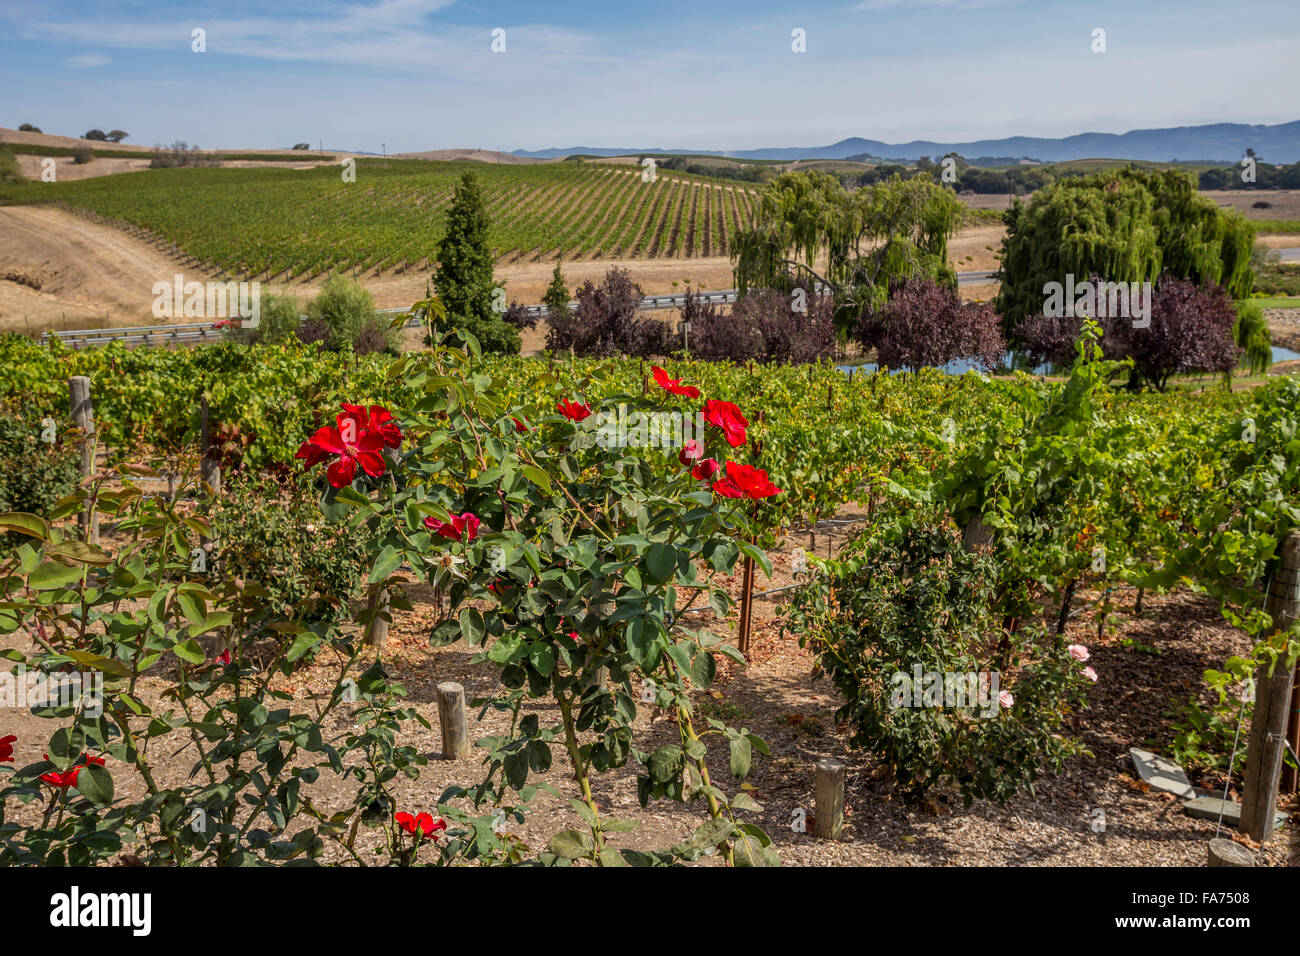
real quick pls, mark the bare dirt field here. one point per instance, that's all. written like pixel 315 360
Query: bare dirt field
pixel 976 248
pixel 53 263
pixel 1148 665
pixel 1282 203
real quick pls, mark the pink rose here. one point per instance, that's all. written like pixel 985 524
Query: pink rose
pixel 1078 652
pixel 1091 674
pixel 1005 699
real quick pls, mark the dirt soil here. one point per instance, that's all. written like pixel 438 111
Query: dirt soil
pixel 1282 203
pixel 1148 665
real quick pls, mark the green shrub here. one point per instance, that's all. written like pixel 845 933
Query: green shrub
pixel 278 539
pixel 10 172
pixel 346 308
pixel 905 596
pixel 34 474
pixel 1252 336
pixel 278 323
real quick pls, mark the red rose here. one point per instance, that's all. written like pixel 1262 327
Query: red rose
pixel 692 450
pixel 705 469
pixel 520 427
pixel 424 822
pixel 376 420
pixel 456 528
pixel 727 417
pixel 68 778
pixel 745 481
pixel 7 749
pixel 574 411
pixel 673 385
pixel 351 443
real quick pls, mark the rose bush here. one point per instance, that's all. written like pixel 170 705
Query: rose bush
pixel 568 566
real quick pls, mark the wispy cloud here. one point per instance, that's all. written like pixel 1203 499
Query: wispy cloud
pixel 87 60
pixel 394 34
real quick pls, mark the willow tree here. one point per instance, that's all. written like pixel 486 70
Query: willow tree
pixel 1121 226
pixel 809 229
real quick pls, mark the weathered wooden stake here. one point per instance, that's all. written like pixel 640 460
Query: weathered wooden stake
pixel 83 416
pixel 452 722
pixel 1272 702
pixel 1225 852
pixel 828 818
pixel 746 605
pixel 377 629
pixel 976 534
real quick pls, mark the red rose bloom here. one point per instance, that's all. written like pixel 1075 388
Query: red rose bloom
pixel 68 778
pixel 691 451
pixel 727 417
pixel 456 528
pixel 745 481
pixel 520 427
pixel 376 420
pixel 424 822
pixel 574 411
pixel 7 749
pixel 705 469
pixel 673 385
pixel 351 443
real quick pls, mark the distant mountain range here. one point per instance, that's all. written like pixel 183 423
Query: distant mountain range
pixel 1220 142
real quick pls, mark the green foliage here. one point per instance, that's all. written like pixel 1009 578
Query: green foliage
pixel 464 281
pixel 892 230
pixel 577 570
pixel 905 600
pixel 348 310
pixel 278 323
pixel 1251 333
pixel 34 474
pixel 264 222
pixel 10 172
pixel 557 295
pixel 279 539
pixel 1125 226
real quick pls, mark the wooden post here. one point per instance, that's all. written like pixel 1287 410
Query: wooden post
pixel 209 463
pixel 1290 779
pixel 1225 852
pixel 452 722
pixel 83 416
pixel 746 605
pixel 1272 702
pixel 828 818
pixel 976 534
pixel 377 629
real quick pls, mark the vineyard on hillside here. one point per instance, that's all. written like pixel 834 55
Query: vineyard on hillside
pixel 276 223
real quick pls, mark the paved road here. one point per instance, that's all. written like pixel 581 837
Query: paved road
pixel 1290 255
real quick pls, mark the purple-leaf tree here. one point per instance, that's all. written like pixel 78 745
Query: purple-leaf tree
pixel 924 323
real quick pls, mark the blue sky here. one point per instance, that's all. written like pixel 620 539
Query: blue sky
pixel 420 74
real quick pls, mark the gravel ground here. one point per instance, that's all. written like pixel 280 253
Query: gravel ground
pixel 1148 666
